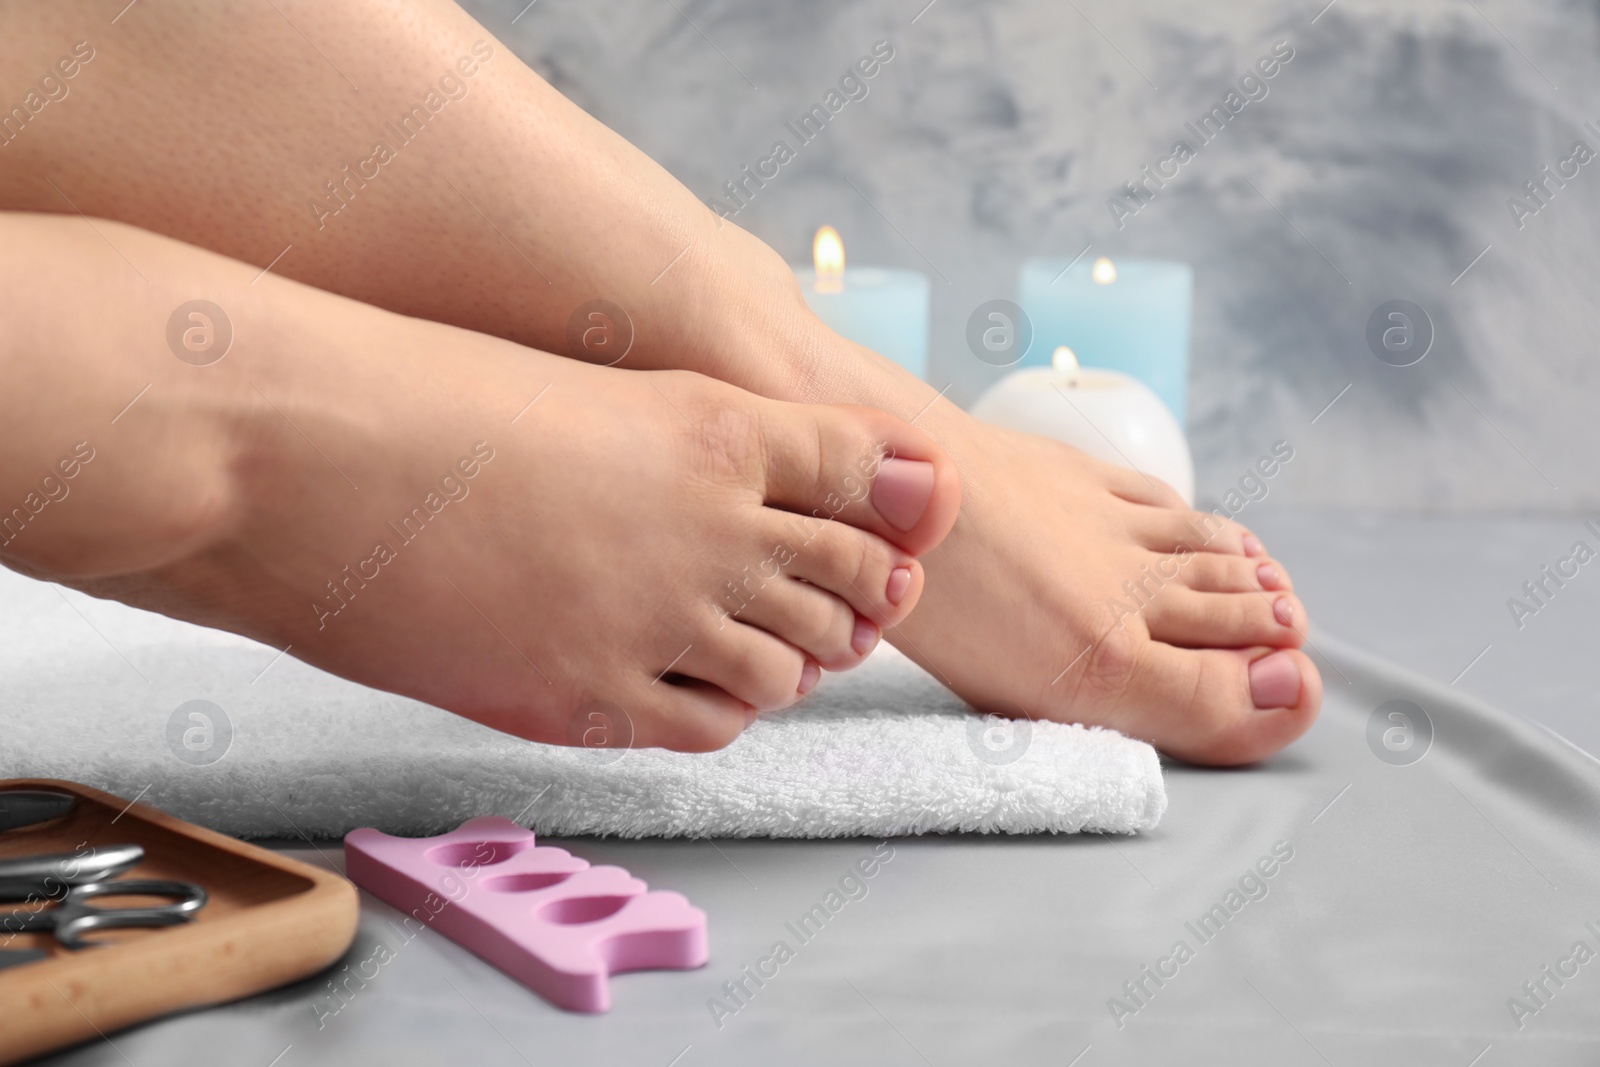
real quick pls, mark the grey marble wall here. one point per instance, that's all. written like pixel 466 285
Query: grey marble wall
pixel 1378 166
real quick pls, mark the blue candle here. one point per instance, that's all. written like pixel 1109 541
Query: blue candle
pixel 1131 315
pixel 884 310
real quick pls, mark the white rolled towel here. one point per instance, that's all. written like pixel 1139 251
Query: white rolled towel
pixel 103 694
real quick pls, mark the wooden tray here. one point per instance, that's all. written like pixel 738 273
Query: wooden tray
pixel 269 920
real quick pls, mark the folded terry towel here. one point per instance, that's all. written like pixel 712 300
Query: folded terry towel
pixel 100 693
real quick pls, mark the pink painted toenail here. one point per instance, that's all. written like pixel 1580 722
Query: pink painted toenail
pixel 865 637
pixel 1252 546
pixel 1283 611
pixel 809 677
pixel 899 582
pixel 901 492
pixel 1275 681
pixel 1268 576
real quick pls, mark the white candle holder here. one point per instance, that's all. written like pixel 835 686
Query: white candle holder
pixel 1102 412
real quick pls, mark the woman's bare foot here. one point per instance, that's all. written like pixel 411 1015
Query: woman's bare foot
pixel 514 208
pixel 521 538
pixel 1110 602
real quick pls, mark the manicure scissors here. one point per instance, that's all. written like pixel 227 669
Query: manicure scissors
pixel 74 916
pixel 49 876
pixel 73 879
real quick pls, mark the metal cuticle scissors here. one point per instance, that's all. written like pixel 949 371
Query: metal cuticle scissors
pixel 73 917
pixel 47 877
pixel 72 879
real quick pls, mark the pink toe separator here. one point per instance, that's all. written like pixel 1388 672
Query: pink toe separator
pixel 540 914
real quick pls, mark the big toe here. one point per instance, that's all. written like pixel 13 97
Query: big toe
pixel 861 467
pixel 1213 706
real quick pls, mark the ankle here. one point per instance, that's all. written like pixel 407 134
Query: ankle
pixel 778 347
pixel 146 498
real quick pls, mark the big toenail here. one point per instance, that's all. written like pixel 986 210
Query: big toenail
pixel 1268 576
pixel 901 491
pixel 809 677
pixel 1252 545
pixel 864 638
pixel 1283 611
pixel 1275 681
pixel 899 582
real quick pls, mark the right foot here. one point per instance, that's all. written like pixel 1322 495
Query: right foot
pixel 1080 591
pixel 634 558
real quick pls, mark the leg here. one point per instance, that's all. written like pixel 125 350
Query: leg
pixel 512 208
pixel 643 544
pixel 503 211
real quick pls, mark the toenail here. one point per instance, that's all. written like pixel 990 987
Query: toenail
pixel 1252 545
pixel 749 716
pixel 1275 681
pixel 901 492
pixel 865 637
pixel 1268 576
pixel 899 582
pixel 809 677
pixel 1283 611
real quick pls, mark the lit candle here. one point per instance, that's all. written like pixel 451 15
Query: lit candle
pixel 1102 412
pixel 1131 315
pixel 885 310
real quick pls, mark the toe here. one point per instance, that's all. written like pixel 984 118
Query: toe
pixel 1182 616
pixel 748 664
pixel 1167 529
pixel 816 622
pixel 1211 572
pixel 862 467
pixel 1213 706
pixel 683 714
pixel 871 575
pixel 1139 488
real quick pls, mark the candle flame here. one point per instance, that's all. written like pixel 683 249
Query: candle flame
pixel 1105 271
pixel 827 253
pixel 1064 359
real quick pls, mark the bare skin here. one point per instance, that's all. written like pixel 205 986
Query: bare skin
pixel 515 583
pixel 217 124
